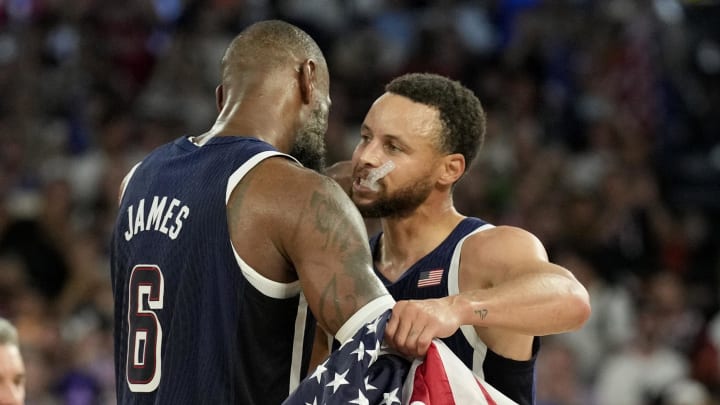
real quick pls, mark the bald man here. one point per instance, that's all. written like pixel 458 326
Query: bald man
pixel 12 368
pixel 224 240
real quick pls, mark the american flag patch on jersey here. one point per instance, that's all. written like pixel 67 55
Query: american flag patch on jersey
pixel 430 277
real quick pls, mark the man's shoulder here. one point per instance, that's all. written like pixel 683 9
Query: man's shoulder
pixel 500 234
pixel 284 189
pixel 498 247
pixel 287 176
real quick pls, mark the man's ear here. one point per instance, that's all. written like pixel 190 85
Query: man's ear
pixel 453 168
pixel 219 93
pixel 307 79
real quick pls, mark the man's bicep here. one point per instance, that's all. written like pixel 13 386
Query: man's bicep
pixel 330 252
pixel 500 254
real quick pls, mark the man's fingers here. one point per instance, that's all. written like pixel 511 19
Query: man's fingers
pixel 418 342
pixel 423 342
pixel 413 325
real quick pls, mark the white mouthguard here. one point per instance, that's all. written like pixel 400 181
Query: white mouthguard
pixel 376 174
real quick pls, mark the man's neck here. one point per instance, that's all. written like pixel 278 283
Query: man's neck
pixel 407 240
pixel 260 111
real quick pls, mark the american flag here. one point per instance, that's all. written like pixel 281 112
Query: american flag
pixel 363 372
pixel 430 277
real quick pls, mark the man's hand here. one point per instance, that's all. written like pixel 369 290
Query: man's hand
pixel 414 323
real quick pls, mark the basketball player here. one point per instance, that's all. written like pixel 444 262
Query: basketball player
pixel 494 283
pixel 12 368
pixel 218 235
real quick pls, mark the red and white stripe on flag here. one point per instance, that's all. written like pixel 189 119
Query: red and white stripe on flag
pixel 443 379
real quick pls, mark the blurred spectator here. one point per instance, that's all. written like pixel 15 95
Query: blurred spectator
pixel 41 240
pixel 684 392
pixel 611 326
pixel 12 368
pixel 559 379
pixel 640 372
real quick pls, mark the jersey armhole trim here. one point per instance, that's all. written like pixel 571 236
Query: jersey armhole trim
pixel 241 171
pixel 270 288
pixel 263 284
pixel 454 289
pixel 126 180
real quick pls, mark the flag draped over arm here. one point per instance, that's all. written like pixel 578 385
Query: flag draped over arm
pixel 362 372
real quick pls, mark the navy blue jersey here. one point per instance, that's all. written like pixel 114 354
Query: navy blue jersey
pixel 194 324
pixel 435 276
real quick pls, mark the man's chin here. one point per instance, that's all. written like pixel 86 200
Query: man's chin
pixel 370 214
pixel 367 209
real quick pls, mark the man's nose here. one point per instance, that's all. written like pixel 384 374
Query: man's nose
pixel 371 154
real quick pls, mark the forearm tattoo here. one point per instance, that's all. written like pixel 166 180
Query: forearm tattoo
pixel 482 313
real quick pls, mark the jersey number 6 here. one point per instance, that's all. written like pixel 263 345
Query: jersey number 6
pixel 144 363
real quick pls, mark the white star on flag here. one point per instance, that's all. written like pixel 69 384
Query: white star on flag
pixel 361 399
pixel 374 352
pixel 360 351
pixel 319 371
pixel 338 381
pixel 391 397
pixel 368 386
pixel 372 327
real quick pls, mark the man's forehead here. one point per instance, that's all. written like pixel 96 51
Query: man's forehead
pixel 400 115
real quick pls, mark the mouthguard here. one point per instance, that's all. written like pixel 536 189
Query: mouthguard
pixel 376 174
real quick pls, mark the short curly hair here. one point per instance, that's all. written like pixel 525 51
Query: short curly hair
pixel 461 113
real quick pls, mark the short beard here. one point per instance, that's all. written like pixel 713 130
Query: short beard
pixel 309 147
pixel 309 156
pixel 399 205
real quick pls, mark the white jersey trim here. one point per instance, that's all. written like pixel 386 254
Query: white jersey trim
pixel 238 175
pixel 126 180
pixel 479 347
pixel 367 313
pixel 298 343
pixel 270 288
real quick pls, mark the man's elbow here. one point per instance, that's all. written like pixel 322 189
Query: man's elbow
pixel 578 305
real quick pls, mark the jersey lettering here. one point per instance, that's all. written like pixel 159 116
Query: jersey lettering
pixel 161 217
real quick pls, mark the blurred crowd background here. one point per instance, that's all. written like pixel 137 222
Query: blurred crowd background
pixel 603 140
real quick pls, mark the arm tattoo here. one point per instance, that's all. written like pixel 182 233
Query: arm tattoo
pixel 351 288
pixel 330 220
pixel 482 312
pixel 336 316
pixel 343 239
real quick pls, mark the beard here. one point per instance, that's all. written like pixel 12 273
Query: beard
pixel 400 204
pixel 309 147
